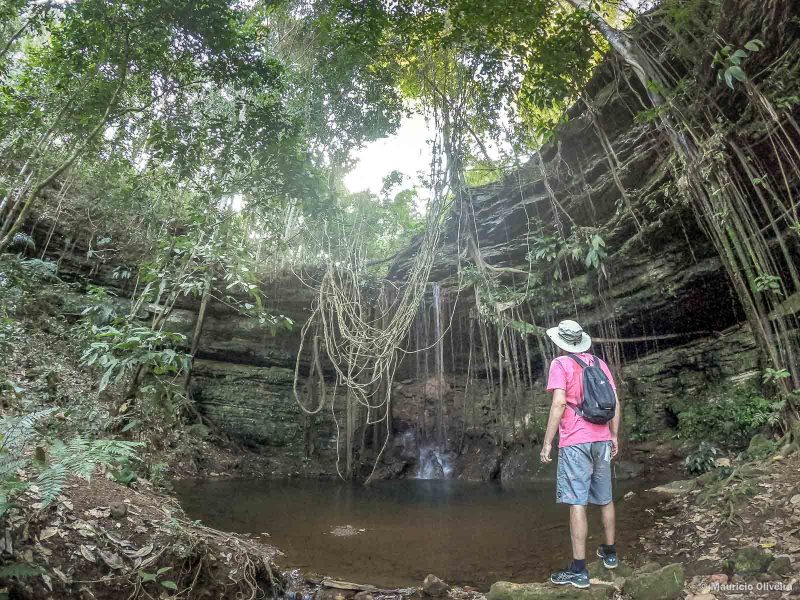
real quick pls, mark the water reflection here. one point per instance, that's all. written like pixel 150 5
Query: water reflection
pixel 466 533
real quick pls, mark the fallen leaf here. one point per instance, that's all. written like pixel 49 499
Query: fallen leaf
pixel 61 575
pixel 98 513
pixel 48 532
pixel 87 554
pixel 112 559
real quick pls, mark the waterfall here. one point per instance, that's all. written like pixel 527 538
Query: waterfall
pixel 428 439
pixel 433 464
pixel 438 362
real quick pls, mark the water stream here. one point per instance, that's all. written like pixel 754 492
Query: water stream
pixel 393 533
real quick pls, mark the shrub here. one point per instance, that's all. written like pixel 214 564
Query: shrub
pixel 730 418
pixel 701 460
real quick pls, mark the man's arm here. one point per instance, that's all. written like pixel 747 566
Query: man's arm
pixel 557 409
pixel 614 426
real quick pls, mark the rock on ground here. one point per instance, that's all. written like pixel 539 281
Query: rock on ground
pixel 676 487
pixel 504 590
pixel 665 583
pixel 433 586
pixel 598 571
pixel 751 559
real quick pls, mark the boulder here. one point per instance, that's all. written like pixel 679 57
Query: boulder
pixel 787 449
pixel 649 567
pixel 781 566
pixel 751 559
pixel 118 510
pixel 676 487
pixel 433 586
pixel 718 579
pixel 504 590
pixel 760 446
pixel 665 583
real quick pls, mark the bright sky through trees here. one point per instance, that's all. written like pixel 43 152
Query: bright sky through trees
pixel 406 151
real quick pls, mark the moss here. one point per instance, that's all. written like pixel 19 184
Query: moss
pixel 751 560
pixel 760 446
pixel 504 590
pixel 665 583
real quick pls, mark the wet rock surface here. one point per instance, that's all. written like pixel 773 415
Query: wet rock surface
pixel 664 583
pixel 504 590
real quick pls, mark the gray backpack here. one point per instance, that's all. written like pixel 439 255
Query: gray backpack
pixel 599 403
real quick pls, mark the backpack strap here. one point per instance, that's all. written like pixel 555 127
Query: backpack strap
pixel 579 361
pixel 583 365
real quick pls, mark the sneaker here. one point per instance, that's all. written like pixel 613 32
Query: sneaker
pixel 609 558
pixel 579 580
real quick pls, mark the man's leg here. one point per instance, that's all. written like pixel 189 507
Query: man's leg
pixel 572 487
pixel 600 493
pixel 578 529
pixel 609 522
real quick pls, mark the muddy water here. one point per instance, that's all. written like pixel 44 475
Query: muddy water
pixel 393 533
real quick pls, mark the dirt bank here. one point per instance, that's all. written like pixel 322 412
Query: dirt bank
pixel 102 540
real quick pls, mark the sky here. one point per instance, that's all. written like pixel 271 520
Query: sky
pixel 406 151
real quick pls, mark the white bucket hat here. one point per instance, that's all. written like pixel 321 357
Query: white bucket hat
pixel 570 336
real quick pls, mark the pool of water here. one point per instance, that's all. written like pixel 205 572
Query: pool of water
pixel 393 533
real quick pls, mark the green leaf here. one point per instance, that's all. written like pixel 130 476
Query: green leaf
pixel 754 45
pixel 728 78
pixel 170 585
pixel 737 73
pixel 130 425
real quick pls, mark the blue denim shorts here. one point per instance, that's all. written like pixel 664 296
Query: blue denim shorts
pixel 584 474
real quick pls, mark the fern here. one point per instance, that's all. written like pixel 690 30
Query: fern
pixel 17 432
pixel 80 457
pixel 55 461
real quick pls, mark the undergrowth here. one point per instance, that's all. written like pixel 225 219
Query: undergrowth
pixel 729 416
pixel 47 434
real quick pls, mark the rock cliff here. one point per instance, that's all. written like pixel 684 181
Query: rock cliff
pixel 661 305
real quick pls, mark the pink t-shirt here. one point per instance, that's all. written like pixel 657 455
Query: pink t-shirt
pixel 566 374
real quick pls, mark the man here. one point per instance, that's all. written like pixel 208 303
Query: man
pixel 585 449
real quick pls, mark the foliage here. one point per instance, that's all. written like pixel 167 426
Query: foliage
pixel 769 283
pixel 596 253
pixel 729 418
pixel 702 459
pixel 101 310
pixel 26 447
pixel 122 348
pixel 146 577
pixel 729 61
pixel 583 245
pixel 771 375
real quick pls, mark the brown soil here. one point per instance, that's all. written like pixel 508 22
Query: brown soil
pixel 705 528
pixel 89 549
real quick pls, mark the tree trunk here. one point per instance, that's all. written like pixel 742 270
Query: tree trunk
pixel 198 328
